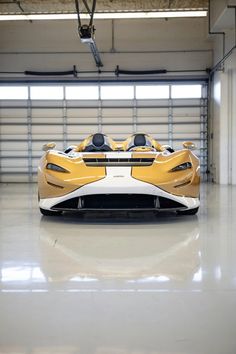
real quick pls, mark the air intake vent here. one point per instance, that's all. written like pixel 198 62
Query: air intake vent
pixel 166 203
pixel 118 161
pixel 118 202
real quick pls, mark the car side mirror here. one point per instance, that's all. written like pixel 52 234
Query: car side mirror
pixel 189 145
pixel 48 146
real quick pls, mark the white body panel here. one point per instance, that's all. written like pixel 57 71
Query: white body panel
pixel 119 185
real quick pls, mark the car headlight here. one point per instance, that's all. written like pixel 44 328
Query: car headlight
pixel 182 167
pixel 53 167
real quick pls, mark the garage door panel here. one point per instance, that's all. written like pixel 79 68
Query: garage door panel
pixel 189 136
pixel 120 120
pixel 154 103
pixel 79 104
pixel 117 112
pixel 37 154
pixel 73 139
pixel 47 137
pixel 16 153
pixel 14 163
pixel 74 129
pixel 82 112
pixel 163 139
pixel 46 104
pixel 16 120
pixel 177 145
pixel 13 145
pixel 46 113
pixel 47 121
pixel 35 178
pixel 82 120
pixel 14 137
pixel 187 129
pixel 13 104
pixel 120 136
pixel 35 162
pixel 26 125
pixel 14 130
pixel 117 103
pixel 115 129
pixel 152 112
pixel 12 113
pixel 47 129
pixel 186 111
pixel 188 103
pixel 154 120
pixel 12 178
pixel 186 120
pixel 153 128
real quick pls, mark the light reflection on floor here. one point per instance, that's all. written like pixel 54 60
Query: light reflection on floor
pixel 103 283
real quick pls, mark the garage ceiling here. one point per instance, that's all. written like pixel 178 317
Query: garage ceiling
pixel 64 6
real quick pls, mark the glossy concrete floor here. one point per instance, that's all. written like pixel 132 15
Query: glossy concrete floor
pixel 106 284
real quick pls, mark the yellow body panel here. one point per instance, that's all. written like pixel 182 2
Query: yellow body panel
pixel 55 184
pixel 181 183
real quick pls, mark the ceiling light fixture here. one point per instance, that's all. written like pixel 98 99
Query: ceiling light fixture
pixel 105 15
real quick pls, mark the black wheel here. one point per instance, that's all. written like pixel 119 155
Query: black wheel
pixel 50 212
pixel 188 212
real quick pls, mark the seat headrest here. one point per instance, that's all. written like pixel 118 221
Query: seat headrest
pixel 98 140
pixel 140 140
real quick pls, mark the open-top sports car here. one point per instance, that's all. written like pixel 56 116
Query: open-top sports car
pixel 135 174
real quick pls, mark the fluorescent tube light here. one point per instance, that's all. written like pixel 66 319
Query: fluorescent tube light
pixel 105 15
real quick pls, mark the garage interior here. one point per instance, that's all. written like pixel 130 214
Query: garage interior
pixel 120 282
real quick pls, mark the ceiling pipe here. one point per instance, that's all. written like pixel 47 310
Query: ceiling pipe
pixel 73 72
pixel 119 71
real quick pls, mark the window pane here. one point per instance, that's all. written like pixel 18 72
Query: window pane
pixel 46 92
pixel 82 92
pixel 117 92
pixel 152 92
pixel 186 91
pixel 13 93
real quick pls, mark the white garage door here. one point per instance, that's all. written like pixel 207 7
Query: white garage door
pixel 33 115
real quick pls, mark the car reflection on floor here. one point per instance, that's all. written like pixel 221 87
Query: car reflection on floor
pixel 124 248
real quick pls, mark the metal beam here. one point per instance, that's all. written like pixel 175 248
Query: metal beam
pixel 87 31
pixel 62 6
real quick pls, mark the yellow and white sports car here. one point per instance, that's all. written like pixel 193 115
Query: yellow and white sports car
pixel 136 174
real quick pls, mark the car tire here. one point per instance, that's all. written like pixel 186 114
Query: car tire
pixel 188 212
pixel 50 212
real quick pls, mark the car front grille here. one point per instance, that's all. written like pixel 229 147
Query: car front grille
pixel 118 202
pixel 133 161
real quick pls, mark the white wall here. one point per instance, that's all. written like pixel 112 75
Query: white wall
pixel 217 8
pixel 174 44
pixel 223 111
